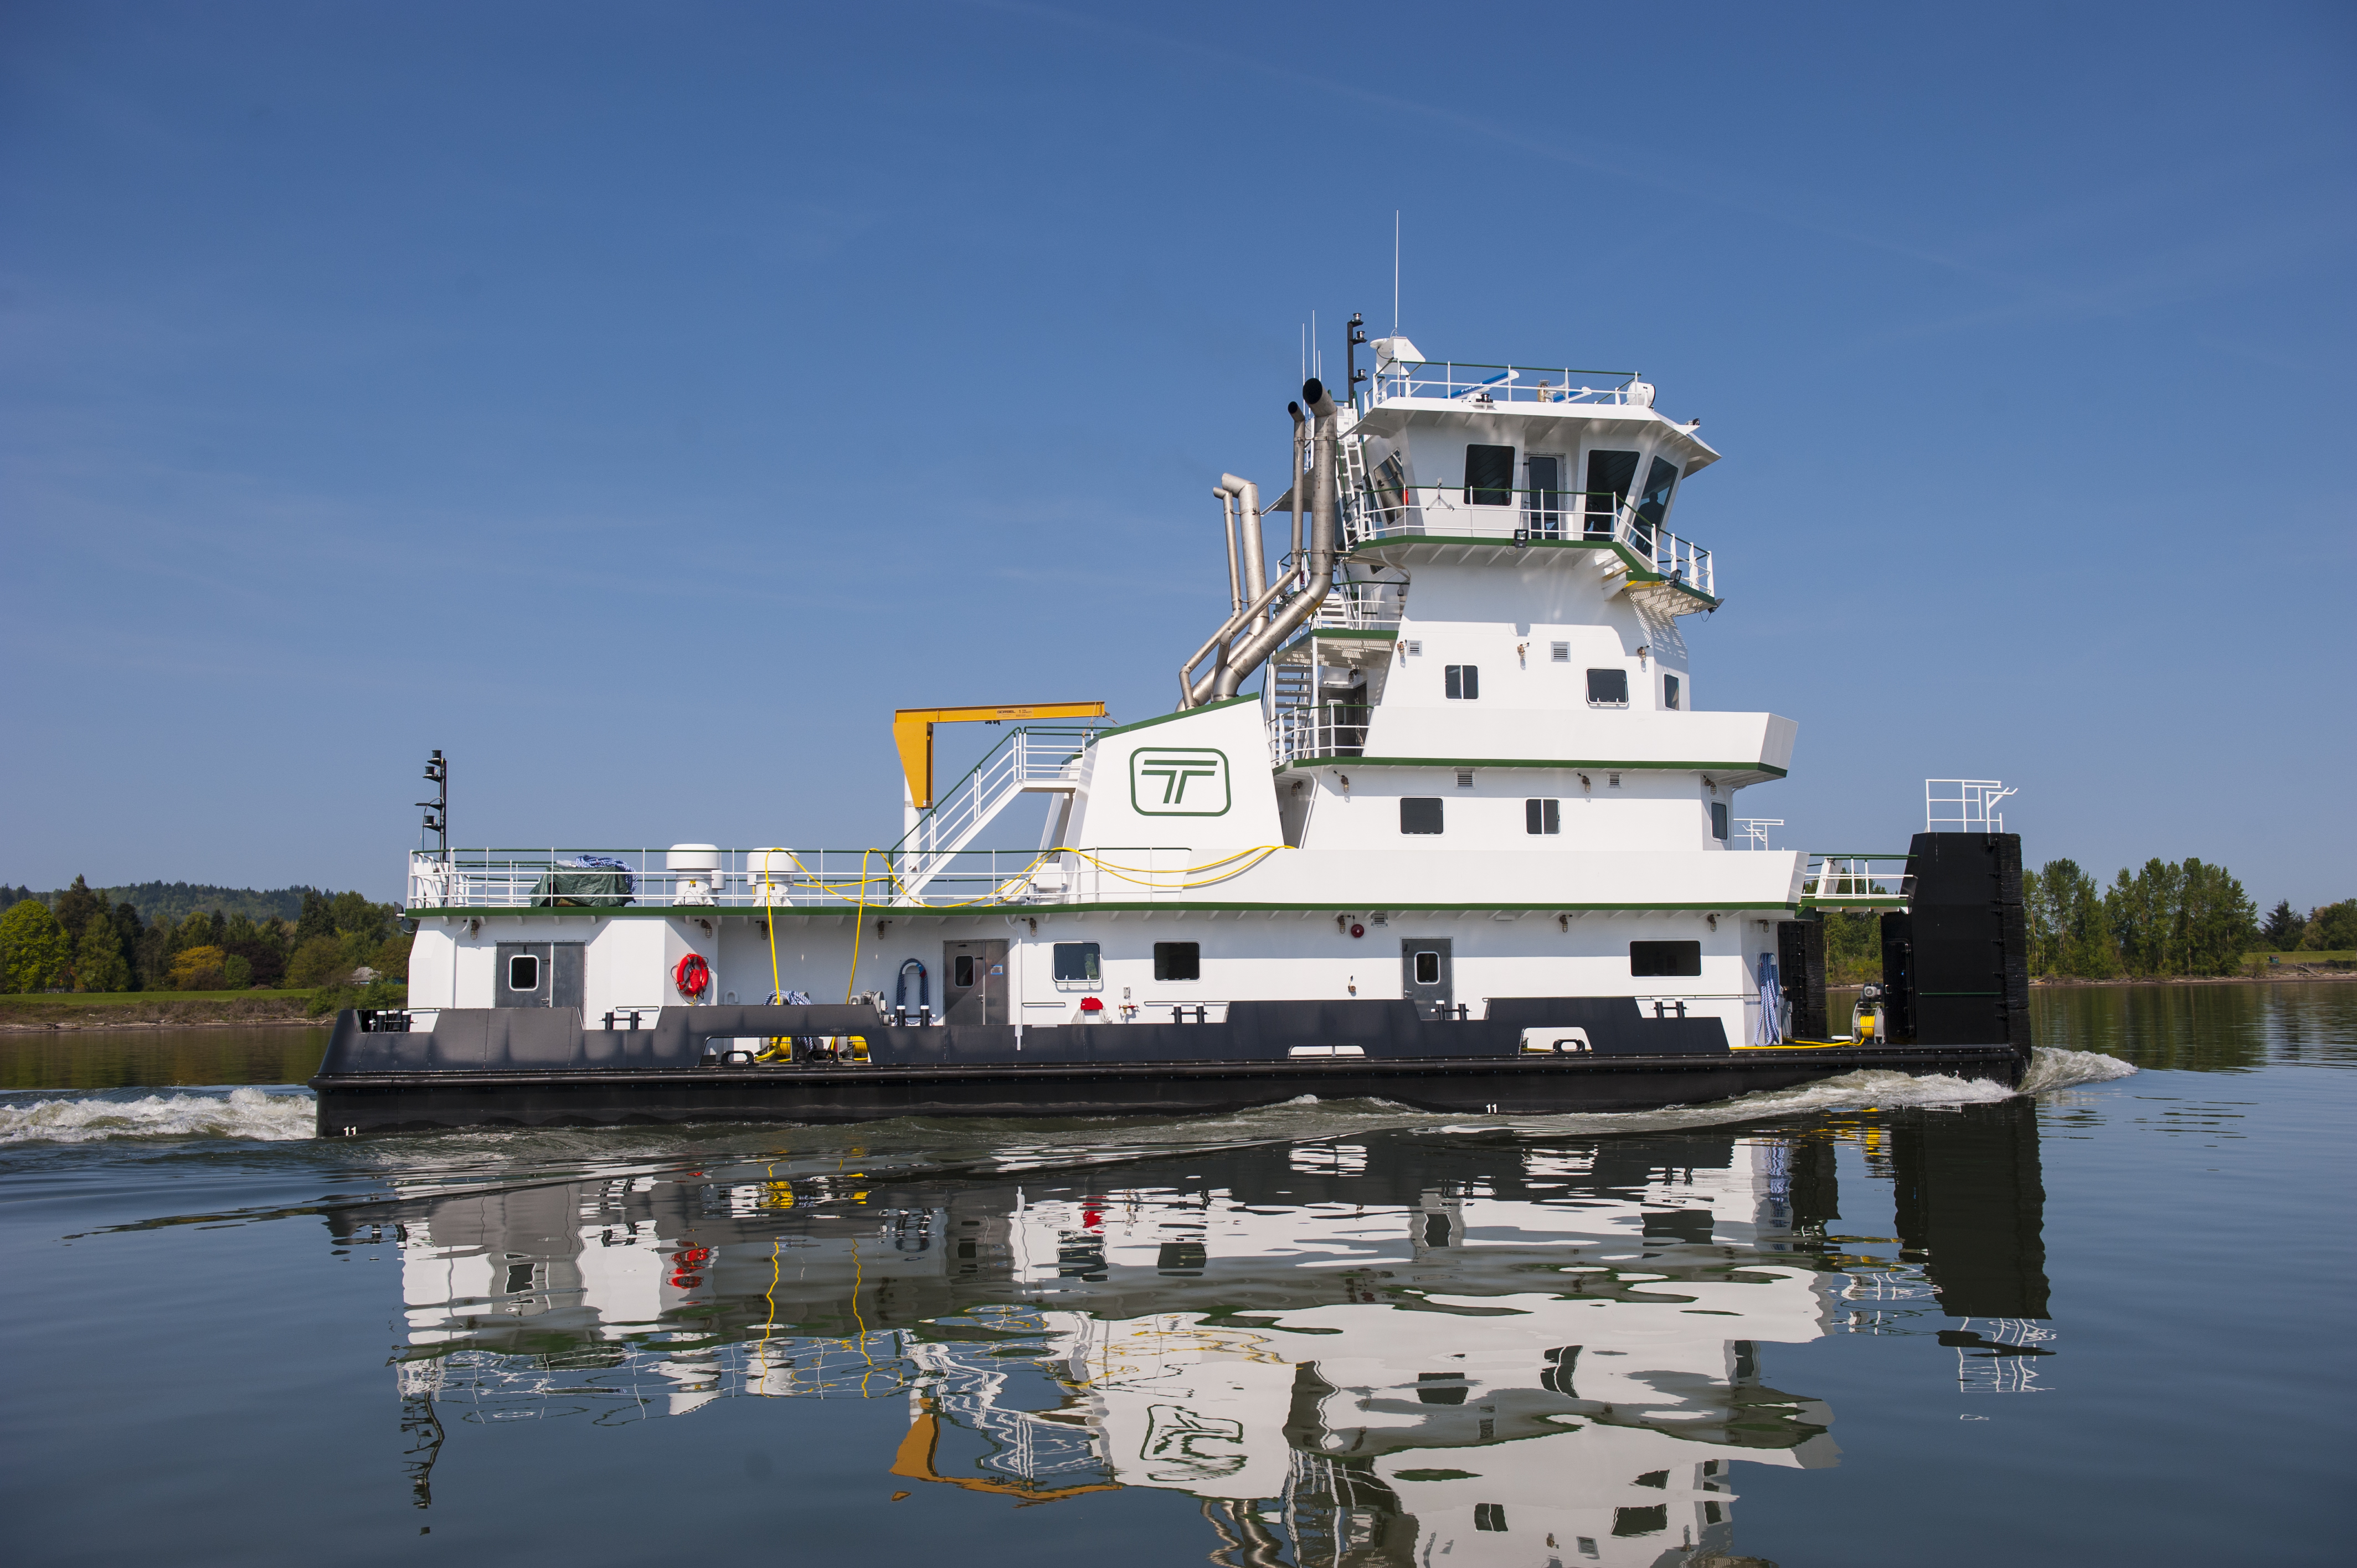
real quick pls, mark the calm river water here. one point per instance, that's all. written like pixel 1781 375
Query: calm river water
pixel 1881 1320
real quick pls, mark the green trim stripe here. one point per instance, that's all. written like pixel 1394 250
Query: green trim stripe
pixel 911 911
pixel 1186 714
pixel 1537 762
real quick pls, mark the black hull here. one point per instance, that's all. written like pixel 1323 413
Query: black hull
pixel 358 1104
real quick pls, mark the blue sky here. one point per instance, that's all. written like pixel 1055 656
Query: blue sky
pixel 641 401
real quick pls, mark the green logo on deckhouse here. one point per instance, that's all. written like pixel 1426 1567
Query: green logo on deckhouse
pixel 1178 781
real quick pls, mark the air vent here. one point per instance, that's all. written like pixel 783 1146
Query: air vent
pixel 1465 778
pixel 1559 651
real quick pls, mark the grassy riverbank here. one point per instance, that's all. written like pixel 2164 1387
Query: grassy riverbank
pixel 154 1009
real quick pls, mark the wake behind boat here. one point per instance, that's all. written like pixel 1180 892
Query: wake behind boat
pixel 1471 847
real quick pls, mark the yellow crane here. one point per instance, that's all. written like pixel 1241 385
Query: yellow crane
pixel 912 733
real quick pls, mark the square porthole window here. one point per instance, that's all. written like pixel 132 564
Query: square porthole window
pixel 1560 652
pixel 1465 778
pixel 1178 960
pixel 1542 816
pixel 1669 691
pixel 1420 814
pixel 1607 688
pixel 1462 682
pixel 1077 967
pixel 523 971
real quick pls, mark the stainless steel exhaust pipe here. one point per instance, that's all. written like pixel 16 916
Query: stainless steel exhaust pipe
pixel 1247 496
pixel 1324 530
pixel 1228 515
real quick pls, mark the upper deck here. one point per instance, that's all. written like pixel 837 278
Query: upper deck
pixel 1447 453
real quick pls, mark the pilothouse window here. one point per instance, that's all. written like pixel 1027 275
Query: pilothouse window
pixel 1653 506
pixel 1610 477
pixel 1489 476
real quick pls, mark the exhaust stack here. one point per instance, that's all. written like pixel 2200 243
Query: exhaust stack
pixel 1241 647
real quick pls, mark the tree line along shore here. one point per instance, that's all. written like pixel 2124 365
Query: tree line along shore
pixel 2181 920
pixel 338 949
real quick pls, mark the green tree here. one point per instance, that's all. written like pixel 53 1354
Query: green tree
pixel 2078 938
pixel 2281 933
pixel 98 963
pixel 132 933
pixel 33 951
pixel 199 930
pixel 392 959
pixel 76 905
pixel 317 920
pixel 2215 920
pixel 355 916
pixel 316 962
pixel 2331 927
pixel 262 944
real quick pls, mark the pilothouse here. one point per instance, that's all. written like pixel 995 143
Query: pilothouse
pixel 1438 816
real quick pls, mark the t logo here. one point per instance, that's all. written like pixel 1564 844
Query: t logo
pixel 1178 781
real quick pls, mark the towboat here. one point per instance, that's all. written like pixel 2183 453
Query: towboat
pixel 1471 843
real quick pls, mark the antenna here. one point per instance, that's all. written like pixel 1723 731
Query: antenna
pixel 1395 226
pixel 1317 360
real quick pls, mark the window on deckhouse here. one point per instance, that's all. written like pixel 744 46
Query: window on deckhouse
pixel 1607 688
pixel 1669 691
pixel 1542 816
pixel 1653 506
pixel 1077 963
pixel 1420 814
pixel 1489 476
pixel 1610 477
pixel 1462 682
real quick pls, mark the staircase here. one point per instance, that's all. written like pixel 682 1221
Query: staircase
pixel 1029 760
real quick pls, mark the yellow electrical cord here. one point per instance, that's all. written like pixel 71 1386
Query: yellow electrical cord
pixel 1226 868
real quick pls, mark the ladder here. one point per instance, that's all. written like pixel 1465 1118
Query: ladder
pixel 1357 491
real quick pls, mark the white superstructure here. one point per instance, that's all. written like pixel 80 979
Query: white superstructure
pixel 1477 767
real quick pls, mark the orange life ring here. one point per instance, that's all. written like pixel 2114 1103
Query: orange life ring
pixel 694 976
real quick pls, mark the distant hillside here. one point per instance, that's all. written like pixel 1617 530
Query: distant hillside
pixel 175 902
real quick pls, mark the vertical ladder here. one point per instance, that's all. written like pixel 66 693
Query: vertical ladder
pixel 1357 491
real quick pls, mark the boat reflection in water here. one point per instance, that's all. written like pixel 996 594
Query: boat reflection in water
pixel 1409 1343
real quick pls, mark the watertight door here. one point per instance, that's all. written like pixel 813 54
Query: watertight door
pixel 973 982
pixel 524 973
pixel 1426 977
pixel 539 974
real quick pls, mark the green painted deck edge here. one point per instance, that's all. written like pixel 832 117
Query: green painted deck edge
pixel 908 911
pixel 1534 762
pixel 1165 719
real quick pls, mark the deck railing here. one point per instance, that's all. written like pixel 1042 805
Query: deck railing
pixel 1857 882
pixel 561 879
pixel 1361 606
pixel 1592 517
pixel 1486 386
pixel 1329 729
